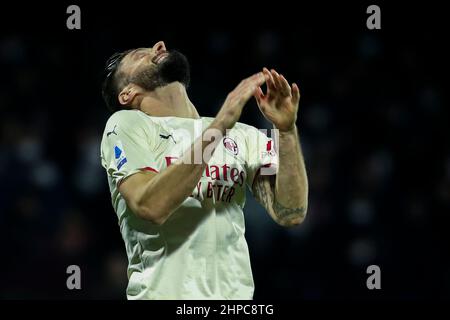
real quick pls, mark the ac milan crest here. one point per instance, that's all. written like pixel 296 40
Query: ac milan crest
pixel 231 145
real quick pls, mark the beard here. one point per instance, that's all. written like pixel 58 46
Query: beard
pixel 173 68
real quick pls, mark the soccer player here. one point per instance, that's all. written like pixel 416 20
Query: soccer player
pixel 178 180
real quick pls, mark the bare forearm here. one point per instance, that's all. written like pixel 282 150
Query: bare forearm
pixel 291 184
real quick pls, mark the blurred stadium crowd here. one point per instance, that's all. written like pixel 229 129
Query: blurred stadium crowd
pixel 374 128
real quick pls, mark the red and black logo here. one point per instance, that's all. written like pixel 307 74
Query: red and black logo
pixel 231 145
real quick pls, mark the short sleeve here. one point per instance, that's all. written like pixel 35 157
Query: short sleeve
pixel 127 146
pixel 262 158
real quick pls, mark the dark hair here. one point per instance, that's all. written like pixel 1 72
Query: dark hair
pixel 111 84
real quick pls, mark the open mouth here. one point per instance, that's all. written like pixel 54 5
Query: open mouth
pixel 160 57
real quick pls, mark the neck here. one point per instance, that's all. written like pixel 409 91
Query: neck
pixel 168 101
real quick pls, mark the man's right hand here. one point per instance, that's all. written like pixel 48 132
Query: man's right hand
pixel 231 110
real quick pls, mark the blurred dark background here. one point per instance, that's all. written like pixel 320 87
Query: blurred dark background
pixel 373 120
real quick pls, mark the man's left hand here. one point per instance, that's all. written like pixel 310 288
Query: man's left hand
pixel 279 104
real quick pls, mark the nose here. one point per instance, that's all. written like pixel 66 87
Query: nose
pixel 159 46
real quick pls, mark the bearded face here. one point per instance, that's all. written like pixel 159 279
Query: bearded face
pixel 172 68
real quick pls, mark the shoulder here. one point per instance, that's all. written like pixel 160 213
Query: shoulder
pixel 130 120
pixel 129 125
pixel 244 126
pixel 250 132
pixel 124 118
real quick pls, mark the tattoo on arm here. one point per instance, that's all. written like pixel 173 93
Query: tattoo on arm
pixel 264 191
pixel 288 214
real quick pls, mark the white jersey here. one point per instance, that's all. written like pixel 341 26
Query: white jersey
pixel 200 252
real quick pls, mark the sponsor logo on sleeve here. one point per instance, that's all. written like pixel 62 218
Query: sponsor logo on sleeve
pixel 119 155
pixel 112 132
pixel 270 150
pixel 167 137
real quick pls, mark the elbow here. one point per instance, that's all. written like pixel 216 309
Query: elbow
pixel 151 214
pixel 292 222
pixel 291 217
